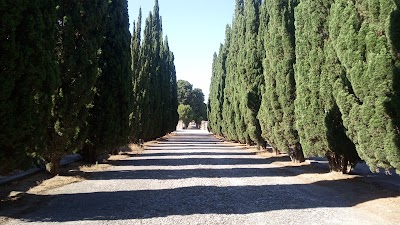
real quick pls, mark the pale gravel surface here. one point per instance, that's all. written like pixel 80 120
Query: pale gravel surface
pixel 193 178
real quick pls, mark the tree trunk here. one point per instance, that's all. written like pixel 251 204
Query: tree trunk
pixel 53 165
pixel 337 162
pixel 296 153
pixel 89 154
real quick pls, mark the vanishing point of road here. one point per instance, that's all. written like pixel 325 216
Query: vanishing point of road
pixel 192 177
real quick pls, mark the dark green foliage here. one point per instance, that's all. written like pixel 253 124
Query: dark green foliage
pixel 193 97
pixel 186 114
pixel 319 121
pixel 81 32
pixel 28 78
pixel 365 39
pixel 108 119
pixel 251 76
pixel 277 110
pixel 184 92
pixel 154 81
pixel 137 83
pixel 311 32
pixel 198 105
pixel 169 96
pixel 234 127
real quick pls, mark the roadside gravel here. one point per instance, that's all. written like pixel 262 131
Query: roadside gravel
pixel 194 178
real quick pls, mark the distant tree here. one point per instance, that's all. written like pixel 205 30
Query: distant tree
pixel 198 105
pixel 184 92
pixel 28 78
pixel 186 114
pixel 108 119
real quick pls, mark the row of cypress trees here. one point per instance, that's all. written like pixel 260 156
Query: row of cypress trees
pixel 67 82
pixel 312 78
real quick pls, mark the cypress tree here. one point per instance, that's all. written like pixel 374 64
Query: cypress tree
pixel 234 129
pixel 318 119
pixel 172 116
pixel 108 119
pixel 365 38
pixel 28 78
pixel 221 68
pixel 156 77
pixel 251 79
pixel 311 33
pixel 136 98
pixel 277 109
pixel 143 82
pixel 80 37
pixel 154 81
pixel 213 99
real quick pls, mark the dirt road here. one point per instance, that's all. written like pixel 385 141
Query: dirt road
pixel 194 178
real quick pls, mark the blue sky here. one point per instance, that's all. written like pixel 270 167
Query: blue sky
pixel 195 30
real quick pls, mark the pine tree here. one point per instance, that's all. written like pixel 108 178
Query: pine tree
pixel 108 119
pixel 80 36
pixel 28 78
pixel 277 109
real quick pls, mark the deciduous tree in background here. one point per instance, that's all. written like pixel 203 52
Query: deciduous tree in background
pixel 186 114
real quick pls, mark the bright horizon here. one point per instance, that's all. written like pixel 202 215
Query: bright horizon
pixel 195 30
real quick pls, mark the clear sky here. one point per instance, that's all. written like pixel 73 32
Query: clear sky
pixel 195 30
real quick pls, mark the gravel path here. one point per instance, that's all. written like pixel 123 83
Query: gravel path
pixel 193 178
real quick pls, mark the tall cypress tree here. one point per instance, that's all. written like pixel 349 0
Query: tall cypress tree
pixel 108 119
pixel 277 110
pixel 213 99
pixel 251 79
pixel 156 77
pixel 28 78
pixel 81 34
pixel 365 38
pixel 170 97
pixel 144 100
pixel 231 113
pixel 318 119
pixel 136 98
pixel 311 33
